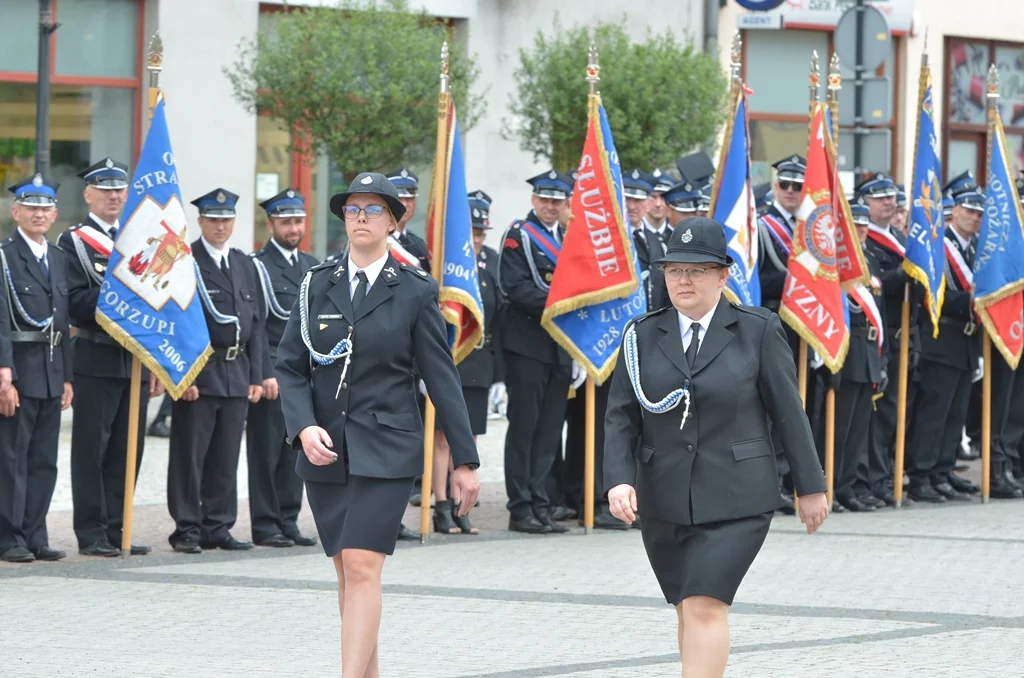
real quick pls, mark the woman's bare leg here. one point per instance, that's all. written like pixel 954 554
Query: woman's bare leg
pixel 706 637
pixel 361 612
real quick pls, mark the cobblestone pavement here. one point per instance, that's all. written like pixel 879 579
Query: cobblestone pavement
pixel 922 592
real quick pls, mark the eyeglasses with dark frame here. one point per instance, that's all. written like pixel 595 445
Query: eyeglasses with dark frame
pixel 371 211
pixel 695 273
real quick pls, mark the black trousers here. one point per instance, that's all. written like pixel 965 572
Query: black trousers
pixel 1007 425
pixel 940 410
pixel 28 472
pixel 275 490
pixel 99 447
pixel 876 475
pixel 165 409
pixel 202 488
pixel 576 444
pixel 537 394
pixel 853 416
pixel 972 424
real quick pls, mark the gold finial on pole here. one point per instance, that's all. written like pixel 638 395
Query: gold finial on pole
pixel 814 80
pixel 835 83
pixel 737 55
pixel 993 82
pixel 593 69
pixel 154 64
pixel 444 66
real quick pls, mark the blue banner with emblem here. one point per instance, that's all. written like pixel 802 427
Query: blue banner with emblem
pixel 149 302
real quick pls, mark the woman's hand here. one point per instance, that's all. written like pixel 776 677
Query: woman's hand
pixel 317 444
pixel 622 503
pixel 813 511
pixel 191 393
pixel 68 396
pixel 465 489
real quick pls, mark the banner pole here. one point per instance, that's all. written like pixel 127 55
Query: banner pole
pixel 835 80
pixel 437 268
pixel 154 65
pixel 901 399
pixel 588 458
pixel 830 443
pixel 986 417
pixel 801 379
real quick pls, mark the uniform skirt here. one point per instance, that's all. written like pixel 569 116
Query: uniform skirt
pixel 476 402
pixel 364 513
pixel 703 560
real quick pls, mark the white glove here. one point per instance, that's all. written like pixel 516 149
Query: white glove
pixel 579 375
pixel 423 389
pixel 980 372
pixel 816 361
pixel 497 393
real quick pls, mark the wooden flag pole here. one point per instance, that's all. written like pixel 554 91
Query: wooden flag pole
pixel 992 102
pixel 588 457
pixel 154 65
pixel 437 254
pixel 901 399
pixel 830 443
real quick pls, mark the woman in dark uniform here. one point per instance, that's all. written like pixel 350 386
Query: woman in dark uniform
pixel 687 426
pixel 482 373
pixel 345 371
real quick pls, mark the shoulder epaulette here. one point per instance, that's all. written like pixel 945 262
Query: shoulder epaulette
pixel 759 311
pixel 418 271
pixel 650 314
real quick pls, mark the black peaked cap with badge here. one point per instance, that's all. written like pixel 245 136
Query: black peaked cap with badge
pixel 699 240
pixel 373 183
pixel 217 204
pixel 107 174
pixel 480 209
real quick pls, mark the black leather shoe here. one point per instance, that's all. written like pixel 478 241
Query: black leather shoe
pixel 104 549
pixel 604 520
pixel 926 493
pixel 529 525
pixel 969 452
pixel 856 505
pixel 48 554
pixel 275 540
pixel 947 491
pixel 1002 488
pixel 837 507
pixel 405 534
pixel 187 546
pixel 636 524
pixel 563 513
pixel 888 499
pixel 159 429
pixel 871 500
pixel 17 554
pixel 301 540
pixel 545 519
pixel 227 543
pixel 139 550
pixel 787 504
pixel 963 485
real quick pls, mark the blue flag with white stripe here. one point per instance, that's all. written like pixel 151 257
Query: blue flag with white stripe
pixel 148 301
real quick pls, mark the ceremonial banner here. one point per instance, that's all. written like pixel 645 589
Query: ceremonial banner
pixel 999 262
pixel 813 300
pixel 925 252
pixel 595 290
pixel 148 301
pixel 732 205
pixel 448 219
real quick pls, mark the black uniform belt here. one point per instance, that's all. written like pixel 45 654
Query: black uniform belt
pixel 967 328
pixel 871 332
pixel 98 337
pixel 485 342
pixel 19 337
pixel 229 353
pixel 897 332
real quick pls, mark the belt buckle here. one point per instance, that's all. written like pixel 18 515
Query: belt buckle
pixel 873 333
pixel 970 328
pixel 55 339
pixel 231 353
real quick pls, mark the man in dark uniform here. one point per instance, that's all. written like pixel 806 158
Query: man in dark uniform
pixel 659 214
pixel 33 326
pixel 206 423
pixel 885 247
pixel 538 370
pixel 407 184
pixel 99 430
pixel 948 362
pixel 275 491
pixel 481 202
pixel 637 187
pixel 863 373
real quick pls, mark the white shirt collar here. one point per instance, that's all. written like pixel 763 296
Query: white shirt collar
pixel 784 212
pixel 286 253
pixel 372 271
pixel 705 322
pixel 964 243
pixel 215 253
pixel 660 230
pixel 38 250
pixel 103 224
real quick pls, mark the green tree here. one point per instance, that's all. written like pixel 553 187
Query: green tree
pixel 662 98
pixel 359 80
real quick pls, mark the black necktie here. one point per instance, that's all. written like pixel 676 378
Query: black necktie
pixel 291 259
pixel 43 265
pixel 224 266
pixel 691 350
pixel 360 293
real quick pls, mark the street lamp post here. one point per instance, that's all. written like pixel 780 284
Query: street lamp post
pixel 46 28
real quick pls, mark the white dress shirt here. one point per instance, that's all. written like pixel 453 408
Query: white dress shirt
pixel 217 254
pixel 107 228
pixel 686 326
pixel 372 272
pixel 964 243
pixel 790 219
pixel 38 249
pixel 289 255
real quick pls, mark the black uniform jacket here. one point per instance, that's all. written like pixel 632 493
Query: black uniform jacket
pixel 864 362
pixel 953 347
pixel 417 247
pixel 773 262
pixel 521 330
pixel 238 294
pixel 485 365
pixel 284 288
pixel 376 412
pixel 35 374
pixel 649 249
pixel 721 463
pixel 86 269
pixel 894 282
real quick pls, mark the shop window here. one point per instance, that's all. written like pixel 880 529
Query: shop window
pixel 19 48
pixel 777 66
pixel 97 38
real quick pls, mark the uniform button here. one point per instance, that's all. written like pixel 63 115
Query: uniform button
pixel 689 448
pixel 686 382
pixel 343 413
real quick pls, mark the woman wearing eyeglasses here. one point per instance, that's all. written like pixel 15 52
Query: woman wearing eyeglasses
pixel 345 366
pixel 687 443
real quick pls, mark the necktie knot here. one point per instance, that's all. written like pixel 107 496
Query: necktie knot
pixel 360 292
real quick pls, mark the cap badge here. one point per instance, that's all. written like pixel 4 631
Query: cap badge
pixel 221 197
pixel 37 180
pixel 366 180
pixel 635 174
pixel 553 175
pixel 479 195
pixel 290 193
pixel 476 213
pixel 687 236
pixel 110 163
pixel 795 158
pixel 404 173
pixel 688 187
pixel 657 172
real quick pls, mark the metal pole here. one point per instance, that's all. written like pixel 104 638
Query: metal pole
pixel 858 95
pixel 46 28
